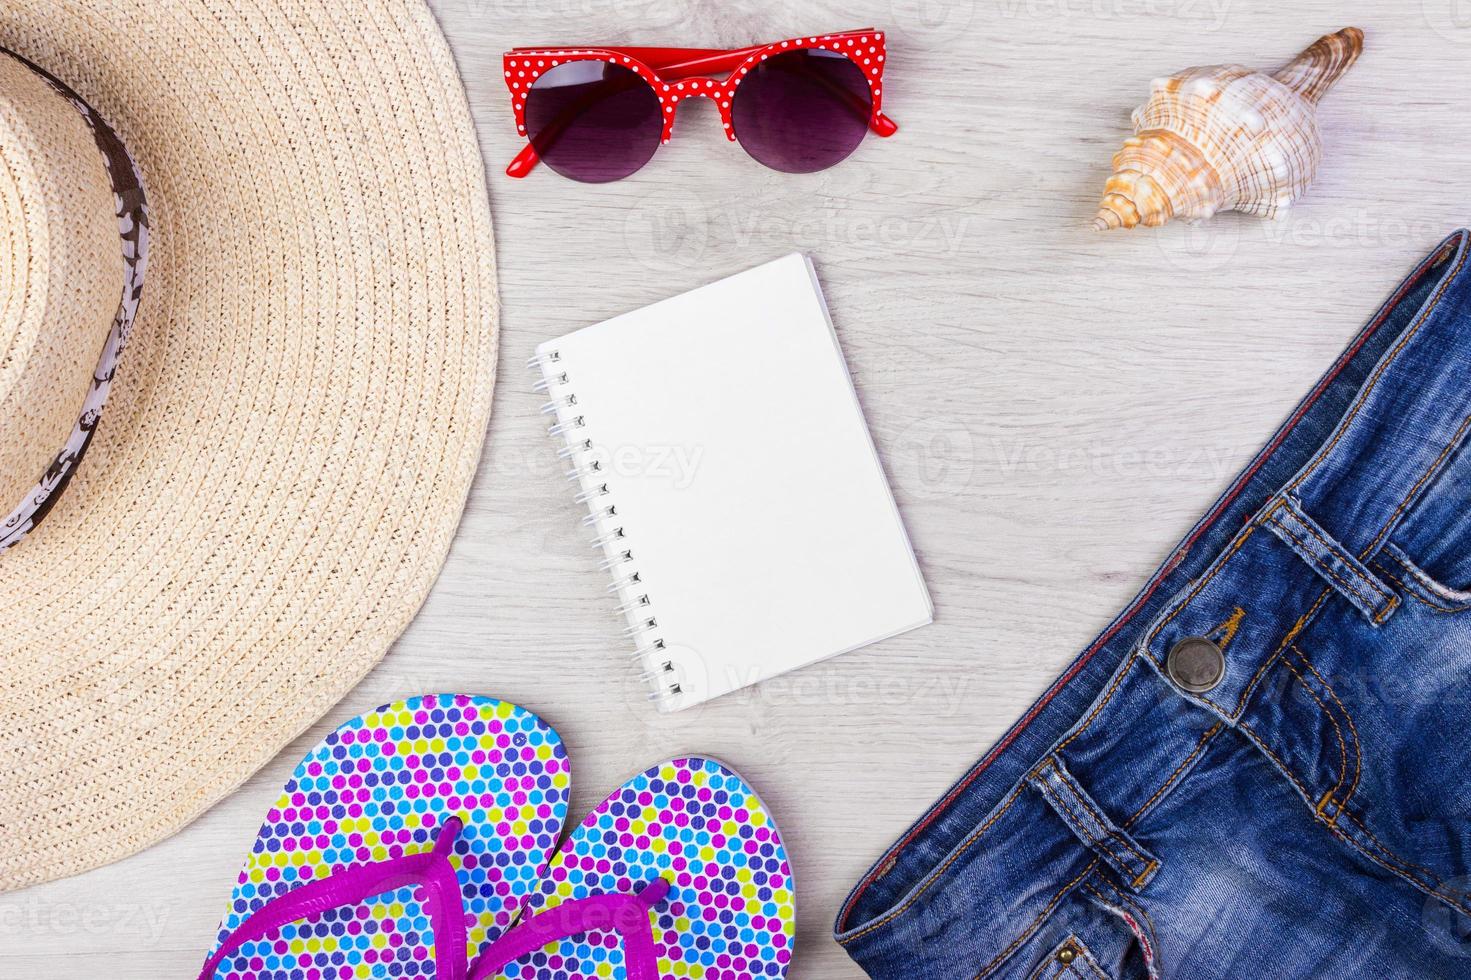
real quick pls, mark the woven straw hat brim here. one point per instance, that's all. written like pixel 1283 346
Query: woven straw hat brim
pixel 292 431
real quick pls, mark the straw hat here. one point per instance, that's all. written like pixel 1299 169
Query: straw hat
pixel 229 545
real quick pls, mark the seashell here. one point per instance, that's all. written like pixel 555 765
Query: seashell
pixel 1225 138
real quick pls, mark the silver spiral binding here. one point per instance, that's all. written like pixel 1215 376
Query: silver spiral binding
pixel 557 404
pixel 596 517
pixel 625 582
pixel 647 650
pixel 614 560
pixel 545 384
pixel 587 471
pixel 574 448
pixel 644 626
pixel 603 541
pixel 592 493
pixel 635 606
pixel 632 605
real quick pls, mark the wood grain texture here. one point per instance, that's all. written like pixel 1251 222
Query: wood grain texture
pixel 1055 408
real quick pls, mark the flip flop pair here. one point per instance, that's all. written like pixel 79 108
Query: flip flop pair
pixel 420 840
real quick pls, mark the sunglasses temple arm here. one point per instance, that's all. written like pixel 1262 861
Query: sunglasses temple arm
pixel 524 163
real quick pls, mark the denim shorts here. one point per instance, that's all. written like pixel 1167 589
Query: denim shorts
pixel 1262 768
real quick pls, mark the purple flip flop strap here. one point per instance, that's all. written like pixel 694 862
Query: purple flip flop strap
pixel 627 915
pixel 430 870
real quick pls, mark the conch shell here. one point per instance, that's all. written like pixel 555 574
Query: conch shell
pixel 1225 138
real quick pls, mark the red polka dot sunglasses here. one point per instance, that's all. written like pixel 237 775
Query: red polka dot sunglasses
pixel 598 114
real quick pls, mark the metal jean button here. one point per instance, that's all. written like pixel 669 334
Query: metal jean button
pixel 1196 664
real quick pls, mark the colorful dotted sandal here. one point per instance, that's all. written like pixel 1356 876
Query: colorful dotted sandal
pixel 681 873
pixel 405 842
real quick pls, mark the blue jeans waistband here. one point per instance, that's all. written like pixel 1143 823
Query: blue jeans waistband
pixel 1331 485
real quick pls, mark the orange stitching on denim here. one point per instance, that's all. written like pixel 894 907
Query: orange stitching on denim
pixel 1392 599
pixel 1286 771
pixel 1295 631
pixel 1337 733
pixel 1389 861
pixel 1053 796
pixel 1051 969
pixel 1123 672
pixel 1257 739
pixel 934 876
pixel 1327 569
pixel 1098 842
pixel 1373 381
pixel 1415 572
pixel 1150 942
pixel 1405 866
pixel 1391 855
pixel 1089 886
pixel 1150 863
pixel 1388 856
pixel 1436 882
pixel 1417 592
pixel 1032 926
pixel 1419 485
pixel 1460 601
pixel 1399 582
pixel 1118 680
pixel 1093 972
pixel 1389 608
pixel 1292 634
pixel 1302 518
pixel 1199 747
pixel 1102 820
pixel 1152 960
pixel 1331 547
pixel 1241 538
pixel 1229 628
pixel 1347 716
pixel 1433 891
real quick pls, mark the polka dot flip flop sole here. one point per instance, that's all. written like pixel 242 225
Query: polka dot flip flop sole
pixel 406 841
pixel 679 874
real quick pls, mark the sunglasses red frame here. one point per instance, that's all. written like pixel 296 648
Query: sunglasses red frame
pixel 679 73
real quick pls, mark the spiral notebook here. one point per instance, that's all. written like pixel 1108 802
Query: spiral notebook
pixel 732 485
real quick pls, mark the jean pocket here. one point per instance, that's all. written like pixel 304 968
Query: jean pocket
pixel 1070 960
pixel 1418 583
pixel 1435 538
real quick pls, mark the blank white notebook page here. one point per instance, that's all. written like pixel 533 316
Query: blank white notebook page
pixel 723 447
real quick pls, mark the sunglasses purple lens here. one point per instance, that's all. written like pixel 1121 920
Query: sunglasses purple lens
pixel 593 121
pixel 801 111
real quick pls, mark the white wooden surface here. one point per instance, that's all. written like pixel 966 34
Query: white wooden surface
pixel 1054 407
